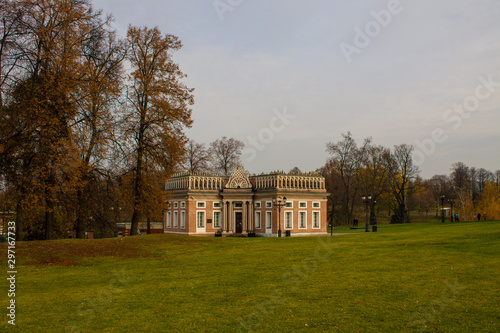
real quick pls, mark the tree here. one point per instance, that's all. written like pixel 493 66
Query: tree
pixel 439 185
pixel 51 34
pixel 460 176
pixel 226 154
pixel 11 16
pixel 489 204
pixel 158 112
pixel 197 158
pixel 347 159
pixel 373 175
pixel 401 172
pixel 96 98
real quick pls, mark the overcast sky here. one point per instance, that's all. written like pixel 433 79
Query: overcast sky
pixel 286 77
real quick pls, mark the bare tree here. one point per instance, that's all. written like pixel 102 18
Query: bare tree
pixel 347 159
pixel 401 172
pixel 11 16
pixel 373 175
pixel 225 154
pixel 483 177
pixel 460 176
pixel 197 158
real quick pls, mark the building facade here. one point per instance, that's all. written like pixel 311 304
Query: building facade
pixel 203 204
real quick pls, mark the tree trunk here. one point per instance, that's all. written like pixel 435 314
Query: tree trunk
pixel 20 217
pixel 80 218
pixel 49 219
pixel 149 225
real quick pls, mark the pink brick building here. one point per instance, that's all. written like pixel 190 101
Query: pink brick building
pixel 203 204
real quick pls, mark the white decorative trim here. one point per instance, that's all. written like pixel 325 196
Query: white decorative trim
pixel 204 228
pixel 305 213
pixel 284 219
pixel 239 179
pixel 319 219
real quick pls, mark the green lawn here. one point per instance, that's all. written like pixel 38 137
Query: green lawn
pixel 405 278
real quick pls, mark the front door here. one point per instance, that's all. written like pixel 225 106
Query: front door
pixel 239 222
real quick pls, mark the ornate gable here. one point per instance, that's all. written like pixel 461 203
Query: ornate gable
pixel 239 179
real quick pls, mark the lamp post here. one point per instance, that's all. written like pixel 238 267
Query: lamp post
pixel 451 201
pixel 442 208
pixel 277 203
pixel 367 200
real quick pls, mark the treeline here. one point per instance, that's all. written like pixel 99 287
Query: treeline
pixel 91 125
pixel 392 181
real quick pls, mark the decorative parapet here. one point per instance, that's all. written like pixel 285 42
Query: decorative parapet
pixel 284 181
pixel 189 181
pixel 195 182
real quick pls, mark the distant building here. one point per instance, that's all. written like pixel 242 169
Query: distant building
pixel 88 234
pixel 203 204
pixel 123 228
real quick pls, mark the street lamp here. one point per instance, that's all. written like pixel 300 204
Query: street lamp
pixel 367 200
pixel 442 208
pixel 451 201
pixel 277 203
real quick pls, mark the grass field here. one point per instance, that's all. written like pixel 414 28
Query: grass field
pixel 428 277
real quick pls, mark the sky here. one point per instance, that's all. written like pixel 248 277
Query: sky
pixel 287 77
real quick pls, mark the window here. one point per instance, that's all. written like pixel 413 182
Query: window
pixel 183 204
pixel 176 222
pixel 302 220
pixel 257 220
pixel 288 220
pixel 217 219
pixel 289 204
pixel 303 204
pixel 176 204
pixel 200 204
pixel 269 204
pixel 169 222
pixel 238 205
pixel 316 223
pixel 200 219
pixel 217 205
pixel 269 220
pixel 316 205
pixel 183 219
pixel 257 204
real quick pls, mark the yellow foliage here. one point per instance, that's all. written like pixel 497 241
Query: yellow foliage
pixel 489 204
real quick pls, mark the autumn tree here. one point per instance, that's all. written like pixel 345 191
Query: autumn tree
pixel 489 204
pixel 159 110
pixel 225 154
pixel 47 48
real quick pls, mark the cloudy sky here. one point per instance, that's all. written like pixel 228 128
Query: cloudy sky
pixel 286 77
